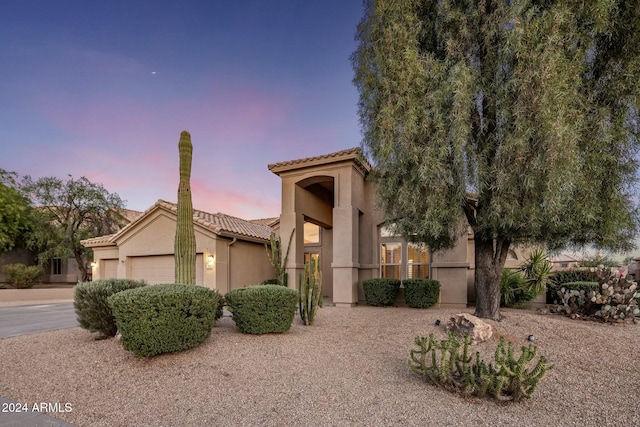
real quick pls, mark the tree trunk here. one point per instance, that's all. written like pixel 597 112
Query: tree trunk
pixel 490 256
pixel 84 274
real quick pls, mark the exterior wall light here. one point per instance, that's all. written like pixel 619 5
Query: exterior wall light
pixel 211 259
pixel 94 264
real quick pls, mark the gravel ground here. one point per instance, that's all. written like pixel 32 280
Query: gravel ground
pixel 349 368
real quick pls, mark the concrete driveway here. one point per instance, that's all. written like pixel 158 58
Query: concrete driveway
pixel 29 319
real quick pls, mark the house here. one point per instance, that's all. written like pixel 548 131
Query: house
pixel 329 205
pixel 230 251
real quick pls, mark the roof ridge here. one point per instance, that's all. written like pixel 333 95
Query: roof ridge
pixel 352 150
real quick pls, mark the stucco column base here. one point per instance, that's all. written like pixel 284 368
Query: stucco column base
pixel 345 286
pixel 345 305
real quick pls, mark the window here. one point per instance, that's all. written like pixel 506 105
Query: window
pixel 390 260
pixel 417 261
pixel 56 266
pixel 400 259
pixel 564 265
pixel 311 233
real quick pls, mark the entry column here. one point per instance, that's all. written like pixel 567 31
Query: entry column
pixel 345 256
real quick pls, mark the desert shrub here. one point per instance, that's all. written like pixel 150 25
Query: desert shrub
pixel 515 290
pixel 20 276
pixel 220 306
pixel 381 292
pixel 262 309
pixel 447 363
pixel 92 308
pixel 164 318
pixel 421 293
pixel 270 282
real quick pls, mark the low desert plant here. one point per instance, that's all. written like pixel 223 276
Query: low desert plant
pixel 262 309
pixel 421 293
pixel 310 293
pixel 164 318
pixel 20 276
pixel 514 289
pixel 381 292
pixel 447 363
pixel 530 279
pixel 92 307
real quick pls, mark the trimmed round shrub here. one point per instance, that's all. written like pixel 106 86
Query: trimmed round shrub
pixel 381 292
pixel 164 318
pixel 421 293
pixel 262 309
pixel 92 308
pixel 219 309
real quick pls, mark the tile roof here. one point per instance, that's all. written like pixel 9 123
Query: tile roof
pixel 349 153
pixel 98 241
pixel 218 223
pixel 269 222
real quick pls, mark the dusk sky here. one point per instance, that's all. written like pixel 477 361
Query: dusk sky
pixel 103 88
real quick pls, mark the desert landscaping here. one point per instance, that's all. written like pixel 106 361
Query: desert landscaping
pixel 350 367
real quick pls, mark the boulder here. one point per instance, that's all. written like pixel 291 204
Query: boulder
pixel 466 324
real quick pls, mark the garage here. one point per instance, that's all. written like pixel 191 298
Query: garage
pixel 161 269
pixel 110 267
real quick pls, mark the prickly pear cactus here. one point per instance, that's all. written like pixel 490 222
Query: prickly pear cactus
pixel 185 241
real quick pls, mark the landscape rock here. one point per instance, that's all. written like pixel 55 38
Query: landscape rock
pixel 466 324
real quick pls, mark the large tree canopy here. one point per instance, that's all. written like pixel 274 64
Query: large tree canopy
pixel 521 114
pixel 16 213
pixel 70 211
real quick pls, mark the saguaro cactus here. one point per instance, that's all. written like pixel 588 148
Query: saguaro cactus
pixel 185 241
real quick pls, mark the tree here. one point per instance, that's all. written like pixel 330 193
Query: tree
pixel 68 212
pixel 516 118
pixel 16 213
pixel 185 241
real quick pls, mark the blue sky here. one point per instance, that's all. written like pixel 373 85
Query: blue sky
pixel 103 89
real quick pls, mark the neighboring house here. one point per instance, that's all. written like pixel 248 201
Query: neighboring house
pixel 58 270
pixel 330 203
pixel 564 262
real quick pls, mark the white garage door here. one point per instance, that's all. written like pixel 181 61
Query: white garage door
pixel 110 267
pixel 161 269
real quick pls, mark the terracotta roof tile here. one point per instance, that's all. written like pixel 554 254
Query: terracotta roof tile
pixel 218 223
pixel 97 241
pixel 355 151
pixel 269 222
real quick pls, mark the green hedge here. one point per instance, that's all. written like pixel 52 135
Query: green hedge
pixel 220 307
pixel 381 292
pixel 553 296
pixel 164 318
pixel 561 277
pixel 421 293
pixel 262 309
pixel 92 308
